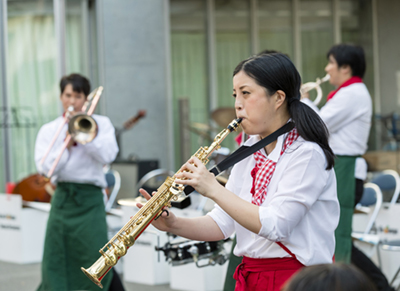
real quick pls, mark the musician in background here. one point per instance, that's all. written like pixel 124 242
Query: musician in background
pixel 274 199
pixel 347 115
pixel 77 226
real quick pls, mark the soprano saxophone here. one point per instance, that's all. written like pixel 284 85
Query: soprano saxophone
pixel 128 234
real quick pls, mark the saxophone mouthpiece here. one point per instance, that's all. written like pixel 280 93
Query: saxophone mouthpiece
pixel 234 124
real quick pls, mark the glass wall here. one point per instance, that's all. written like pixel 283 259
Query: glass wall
pixel 232 26
pixel 32 76
pixel 232 21
pixel 316 26
pixel 189 70
pixel 275 26
pixel 356 24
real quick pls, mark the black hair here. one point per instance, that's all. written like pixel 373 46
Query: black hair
pixel 276 72
pixel 79 83
pixel 352 55
pixel 330 277
pixel 267 52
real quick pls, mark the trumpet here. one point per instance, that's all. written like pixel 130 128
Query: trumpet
pixel 315 85
pixel 82 128
pixel 152 209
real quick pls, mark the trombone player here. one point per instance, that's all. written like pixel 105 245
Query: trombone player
pixel 77 219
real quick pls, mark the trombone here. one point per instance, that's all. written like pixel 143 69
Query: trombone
pixel 82 128
pixel 315 85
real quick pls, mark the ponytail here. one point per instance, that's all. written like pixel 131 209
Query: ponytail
pixel 311 127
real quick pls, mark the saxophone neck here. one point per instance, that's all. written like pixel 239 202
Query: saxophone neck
pixel 216 144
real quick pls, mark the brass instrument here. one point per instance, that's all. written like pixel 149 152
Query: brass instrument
pixel 126 237
pixel 82 128
pixel 315 85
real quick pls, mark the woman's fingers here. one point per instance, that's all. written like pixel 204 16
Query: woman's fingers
pixel 145 193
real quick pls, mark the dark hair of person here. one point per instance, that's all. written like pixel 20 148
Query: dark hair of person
pixel 352 55
pixel 330 277
pixel 276 72
pixel 267 52
pixel 79 83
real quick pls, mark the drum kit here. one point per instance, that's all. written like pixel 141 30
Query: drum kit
pixel 180 251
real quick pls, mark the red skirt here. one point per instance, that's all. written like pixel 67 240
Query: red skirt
pixel 264 274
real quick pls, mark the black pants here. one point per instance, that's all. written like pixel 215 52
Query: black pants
pixel 360 260
pixel 116 284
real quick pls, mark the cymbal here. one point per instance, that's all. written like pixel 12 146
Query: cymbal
pixel 223 116
pixel 200 126
pixel 203 130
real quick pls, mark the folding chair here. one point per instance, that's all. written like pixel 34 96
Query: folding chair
pixel 113 179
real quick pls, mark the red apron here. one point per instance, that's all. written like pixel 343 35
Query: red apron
pixel 265 274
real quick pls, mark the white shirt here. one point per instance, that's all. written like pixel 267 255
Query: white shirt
pixel 301 209
pixel 348 119
pixel 82 163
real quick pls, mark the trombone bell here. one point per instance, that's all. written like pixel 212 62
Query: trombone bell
pixel 82 128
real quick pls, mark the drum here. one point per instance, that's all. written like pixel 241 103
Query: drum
pixel 179 253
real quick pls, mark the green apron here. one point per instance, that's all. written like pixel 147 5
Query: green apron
pixel 346 183
pixel 76 230
pixel 234 261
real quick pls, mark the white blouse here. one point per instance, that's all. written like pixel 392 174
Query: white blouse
pixel 82 163
pixel 301 209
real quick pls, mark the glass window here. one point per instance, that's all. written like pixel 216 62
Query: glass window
pixel 356 24
pixel 32 78
pixel 275 24
pixel 189 67
pixel 74 42
pixel 232 20
pixel 232 44
pixel 316 39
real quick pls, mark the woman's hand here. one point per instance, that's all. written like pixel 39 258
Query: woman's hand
pixel 166 221
pixel 195 174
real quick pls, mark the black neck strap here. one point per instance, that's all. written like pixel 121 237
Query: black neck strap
pixel 245 151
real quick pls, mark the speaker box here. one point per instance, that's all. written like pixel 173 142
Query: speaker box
pixel 131 172
pixel 146 166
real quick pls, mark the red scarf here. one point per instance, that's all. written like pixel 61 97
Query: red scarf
pixel 350 81
pixel 265 168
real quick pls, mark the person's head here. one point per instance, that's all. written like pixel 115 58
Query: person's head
pixel 74 90
pixel 344 62
pixel 267 52
pixel 263 86
pixel 267 93
pixel 329 277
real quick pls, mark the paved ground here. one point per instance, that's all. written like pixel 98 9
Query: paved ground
pixel 16 277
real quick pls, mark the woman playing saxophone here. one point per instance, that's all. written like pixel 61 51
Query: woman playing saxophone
pixel 276 198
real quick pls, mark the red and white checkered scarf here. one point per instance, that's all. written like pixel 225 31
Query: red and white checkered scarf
pixel 265 168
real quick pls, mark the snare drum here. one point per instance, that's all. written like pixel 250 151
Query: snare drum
pixel 180 253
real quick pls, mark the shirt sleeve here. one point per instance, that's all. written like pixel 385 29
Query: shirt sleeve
pixel 298 190
pixel 223 219
pixel 43 140
pixel 103 147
